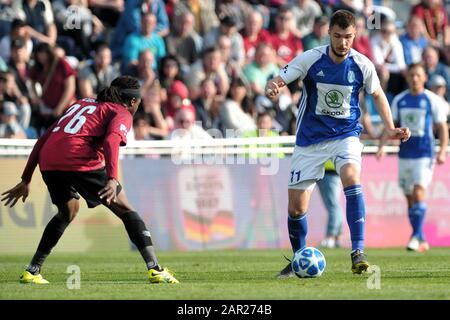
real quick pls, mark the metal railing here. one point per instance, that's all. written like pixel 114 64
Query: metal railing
pixel 229 146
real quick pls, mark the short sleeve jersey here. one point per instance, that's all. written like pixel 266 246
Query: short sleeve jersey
pixel 329 106
pixel 418 113
pixel 76 141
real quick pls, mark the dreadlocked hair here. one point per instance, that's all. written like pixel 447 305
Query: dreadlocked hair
pixel 113 92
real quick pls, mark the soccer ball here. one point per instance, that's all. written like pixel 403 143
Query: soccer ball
pixel 308 262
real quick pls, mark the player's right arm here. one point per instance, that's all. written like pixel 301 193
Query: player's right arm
pixel 22 189
pixel 273 87
pixel 296 69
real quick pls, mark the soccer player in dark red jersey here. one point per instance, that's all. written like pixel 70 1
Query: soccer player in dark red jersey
pixel 78 155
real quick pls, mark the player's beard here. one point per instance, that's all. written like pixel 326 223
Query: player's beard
pixel 340 55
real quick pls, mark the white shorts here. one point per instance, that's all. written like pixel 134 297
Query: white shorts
pixel 413 172
pixel 307 163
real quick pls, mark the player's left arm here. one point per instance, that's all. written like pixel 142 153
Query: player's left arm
pixel 373 87
pixel 384 111
pixel 442 129
pixel 439 113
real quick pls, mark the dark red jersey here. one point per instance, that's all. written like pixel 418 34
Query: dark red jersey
pixel 86 137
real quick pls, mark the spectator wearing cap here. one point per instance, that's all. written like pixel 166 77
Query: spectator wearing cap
pixel 98 73
pixel 147 38
pixel 19 29
pixel 227 27
pixel 177 98
pixel 414 40
pixel 305 12
pixel 438 85
pixel 186 128
pixel 433 66
pixel 285 43
pixel 9 126
pixel 319 35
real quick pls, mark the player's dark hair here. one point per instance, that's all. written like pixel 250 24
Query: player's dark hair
pixel 417 65
pixel 343 19
pixel 122 90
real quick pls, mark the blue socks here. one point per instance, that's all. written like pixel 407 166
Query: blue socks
pixel 298 228
pixel 356 213
pixel 416 216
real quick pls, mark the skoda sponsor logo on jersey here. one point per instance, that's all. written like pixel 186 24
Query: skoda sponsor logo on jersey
pixel 334 99
pixel 351 76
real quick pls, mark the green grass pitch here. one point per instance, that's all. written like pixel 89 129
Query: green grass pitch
pixel 233 274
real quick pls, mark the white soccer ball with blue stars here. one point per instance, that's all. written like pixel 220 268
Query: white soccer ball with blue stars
pixel 308 262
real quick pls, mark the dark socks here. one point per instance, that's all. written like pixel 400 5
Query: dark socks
pixel 52 233
pixel 140 236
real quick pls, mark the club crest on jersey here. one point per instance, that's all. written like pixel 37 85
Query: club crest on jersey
pixel 351 76
pixel 334 99
pixel 423 103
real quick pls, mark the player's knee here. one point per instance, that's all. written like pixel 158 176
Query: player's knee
pixel 350 175
pixel 350 180
pixel 418 194
pixel 69 211
pixel 296 209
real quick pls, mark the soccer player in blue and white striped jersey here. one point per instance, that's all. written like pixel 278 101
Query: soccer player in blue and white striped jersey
pixel 328 128
pixel 420 110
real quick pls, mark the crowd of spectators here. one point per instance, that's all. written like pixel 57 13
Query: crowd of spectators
pixel 203 64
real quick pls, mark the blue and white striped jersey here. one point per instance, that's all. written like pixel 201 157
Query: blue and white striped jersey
pixel 418 113
pixel 329 106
